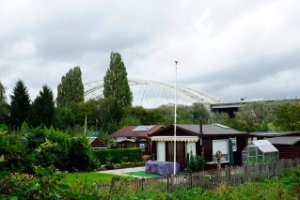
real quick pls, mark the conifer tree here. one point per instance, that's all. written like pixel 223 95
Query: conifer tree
pixel 20 105
pixel 42 109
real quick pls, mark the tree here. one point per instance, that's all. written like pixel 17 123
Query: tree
pixel 256 116
pixel 129 121
pixel 64 118
pixel 89 108
pixel 110 114
pixel 42 109
pixel 116 83
pixel 20 105
pixel 71 89
pixel 288 116
pixel 145 116
pixel 200 113
pixel 3 105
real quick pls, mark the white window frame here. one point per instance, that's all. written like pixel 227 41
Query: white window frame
pixel 225 154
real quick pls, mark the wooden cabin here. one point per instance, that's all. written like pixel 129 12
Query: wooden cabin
pixel 95 143
pixel 136 136
pixel 200 139
pixel 288 147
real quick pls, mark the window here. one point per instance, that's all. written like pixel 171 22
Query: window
pixel 220 145
pixel 233 144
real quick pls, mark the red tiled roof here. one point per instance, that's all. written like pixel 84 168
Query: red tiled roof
pixel 128 131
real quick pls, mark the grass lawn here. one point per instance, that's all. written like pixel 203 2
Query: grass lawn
pixel 89 178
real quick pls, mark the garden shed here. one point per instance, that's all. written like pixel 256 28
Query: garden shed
pixel 259 151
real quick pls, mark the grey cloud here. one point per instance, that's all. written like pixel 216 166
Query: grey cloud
pixel 248 71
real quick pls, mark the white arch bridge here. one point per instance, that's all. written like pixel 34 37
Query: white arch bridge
pixel 151 94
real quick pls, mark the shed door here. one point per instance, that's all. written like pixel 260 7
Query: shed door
pixel 180 153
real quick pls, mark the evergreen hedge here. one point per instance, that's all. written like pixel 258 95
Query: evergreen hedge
pixel 118 155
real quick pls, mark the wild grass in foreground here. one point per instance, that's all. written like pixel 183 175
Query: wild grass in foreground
pixel 51 184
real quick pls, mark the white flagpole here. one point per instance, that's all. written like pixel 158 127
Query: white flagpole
pixel 175 117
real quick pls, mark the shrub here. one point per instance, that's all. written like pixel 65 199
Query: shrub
pixel 196 163
pixel 117 155
pixel 80 156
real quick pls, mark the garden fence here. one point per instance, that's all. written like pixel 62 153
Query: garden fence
pixel 205 179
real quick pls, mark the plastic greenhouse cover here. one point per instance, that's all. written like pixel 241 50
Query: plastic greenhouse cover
pixel 265 146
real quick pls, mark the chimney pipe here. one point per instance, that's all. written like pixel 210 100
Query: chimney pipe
pixel 201 127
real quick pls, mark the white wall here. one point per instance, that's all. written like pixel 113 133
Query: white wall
pixel 161 151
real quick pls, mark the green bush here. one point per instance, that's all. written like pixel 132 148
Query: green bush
pixel 3 127
pixel 45 147
pixel 196 163
pixel 118 155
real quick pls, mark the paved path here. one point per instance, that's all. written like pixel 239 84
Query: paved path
pixel 123 171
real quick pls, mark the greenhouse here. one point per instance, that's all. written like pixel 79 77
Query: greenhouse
pixel 260 151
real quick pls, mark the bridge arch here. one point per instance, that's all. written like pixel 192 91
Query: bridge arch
pixel 187 95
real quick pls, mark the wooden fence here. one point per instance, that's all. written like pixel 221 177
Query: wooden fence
pixel 205 179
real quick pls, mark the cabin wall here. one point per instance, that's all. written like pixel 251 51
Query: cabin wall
pixel 288 152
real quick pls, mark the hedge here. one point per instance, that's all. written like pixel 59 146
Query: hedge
pixel 118 155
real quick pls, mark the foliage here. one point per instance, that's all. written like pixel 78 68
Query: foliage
pixel 129 121
pixel 42 109
pixel 20 105
pixel 88 178
pixel 80 156
pixel 45 147
pixel 286 187
pixel 64 118
pixel 117 94
pixel 116 83
pixel 4 109
pixel 3 127
pixel 145 116
pixel 249 118
pixel 185 114
pixel 133 155
pixel 107 139
pixel 288 116
pixel 110 114
pixel 89 109
pixel 50 147
pixel 196 163
pixel 256 116
pixel 15 154
pixel 71 89
pixel 45 183
pixel 199 113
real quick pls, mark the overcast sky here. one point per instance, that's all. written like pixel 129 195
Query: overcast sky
pixel 230 49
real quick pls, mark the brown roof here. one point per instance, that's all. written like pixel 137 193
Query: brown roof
pixel 290 141
pixel 137 131
pixel 208 130
pixel 95 142
pixel 275 134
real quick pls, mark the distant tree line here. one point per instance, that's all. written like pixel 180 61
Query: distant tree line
pixel 69 110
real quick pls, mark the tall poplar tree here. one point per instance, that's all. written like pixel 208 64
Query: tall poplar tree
pixel 71 89
pixel 3 104
pixel 20 105
pixel 117 94
pixel 116 83
pixel 42 109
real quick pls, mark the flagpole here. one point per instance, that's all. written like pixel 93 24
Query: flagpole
pixel 175 117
